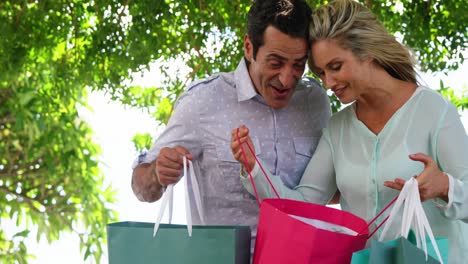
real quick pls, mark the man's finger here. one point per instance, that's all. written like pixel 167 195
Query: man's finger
pixel 241 131
pixel 169 164
pixel 183 152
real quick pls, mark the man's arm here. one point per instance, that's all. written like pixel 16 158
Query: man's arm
pixel 149 179
pixel 162 164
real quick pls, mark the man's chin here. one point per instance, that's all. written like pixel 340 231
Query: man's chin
pixel 278 104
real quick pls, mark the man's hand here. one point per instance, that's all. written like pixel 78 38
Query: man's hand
pixel 169 164
pixel 243 133
pixel 148 179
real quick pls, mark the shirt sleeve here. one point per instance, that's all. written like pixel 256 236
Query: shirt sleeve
pixel 452 156
pixel 319 103
pixel 182 129
pixel 441 203
pixel 317 185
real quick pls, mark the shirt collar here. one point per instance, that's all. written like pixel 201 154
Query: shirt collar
pixel 244 85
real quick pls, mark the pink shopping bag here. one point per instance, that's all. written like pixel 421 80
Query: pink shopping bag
pixel 291 231
pixel 282 238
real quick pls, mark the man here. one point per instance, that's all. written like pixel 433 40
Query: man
pixel 284 113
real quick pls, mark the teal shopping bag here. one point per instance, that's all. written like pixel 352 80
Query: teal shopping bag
pixel 400 251
pixel 408 253
pixel 381 253
pixel 138 243
pixel 133 243
pixel 414 229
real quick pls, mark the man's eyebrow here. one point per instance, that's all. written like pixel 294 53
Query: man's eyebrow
pixel 279 57
pixel 304 58
pixel 276 56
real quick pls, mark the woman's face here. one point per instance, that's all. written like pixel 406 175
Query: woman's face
pixel 340 70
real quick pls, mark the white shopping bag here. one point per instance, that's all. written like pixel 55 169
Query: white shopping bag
pixel 168 197
pixel 413 217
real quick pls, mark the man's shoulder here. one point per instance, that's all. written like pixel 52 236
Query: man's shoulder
pixel 201 83
pixel 213 81
pixel 310 85
pixel 309 82
pixel 310 88
pixel 210 87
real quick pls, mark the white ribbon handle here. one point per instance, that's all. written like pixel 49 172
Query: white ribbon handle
pixel 196 192
pixel 393 213
pixel 168 197
pixel 424 226
pixel 413 217
pixel 188 214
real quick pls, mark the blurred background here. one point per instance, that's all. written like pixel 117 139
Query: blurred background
pixel 87 85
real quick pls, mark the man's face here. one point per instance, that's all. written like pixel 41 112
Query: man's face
pixel 278 66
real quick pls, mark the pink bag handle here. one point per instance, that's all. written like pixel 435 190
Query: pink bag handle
pixel 249 170
pixel 377 216
pixel 277 195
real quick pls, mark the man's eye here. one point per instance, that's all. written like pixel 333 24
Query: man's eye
pixel 299 66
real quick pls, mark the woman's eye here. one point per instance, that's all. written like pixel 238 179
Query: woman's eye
pixel 335 67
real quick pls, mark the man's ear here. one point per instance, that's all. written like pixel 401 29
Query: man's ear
pixel 248 48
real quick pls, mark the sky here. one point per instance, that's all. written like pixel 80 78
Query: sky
pixel 114 127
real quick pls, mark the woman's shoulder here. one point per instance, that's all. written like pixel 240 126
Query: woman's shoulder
pixel 431 108
pixel 341 118
pixel 345 113
pixel 432 103
pixel 432 96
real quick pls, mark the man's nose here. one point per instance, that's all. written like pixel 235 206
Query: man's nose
pixel 288 78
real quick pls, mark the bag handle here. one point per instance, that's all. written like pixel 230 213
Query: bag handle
pixel 277 195
pixel 413 216
pixel 168 197
pixel 249 170
pixel 377 216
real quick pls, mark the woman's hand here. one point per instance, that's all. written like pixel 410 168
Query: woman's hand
pixel 242 134
pixel 432 182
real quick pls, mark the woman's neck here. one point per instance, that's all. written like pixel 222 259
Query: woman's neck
pixel 379 104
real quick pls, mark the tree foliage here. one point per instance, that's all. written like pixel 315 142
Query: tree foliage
pixel 52 53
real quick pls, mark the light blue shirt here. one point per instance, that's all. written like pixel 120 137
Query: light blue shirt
pixel 285 139
pixel 357 162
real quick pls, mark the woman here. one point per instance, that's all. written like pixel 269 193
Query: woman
pixel 392 130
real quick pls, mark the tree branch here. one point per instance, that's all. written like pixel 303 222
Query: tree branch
pixel 7 120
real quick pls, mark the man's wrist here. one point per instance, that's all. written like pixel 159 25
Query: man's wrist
pixel 155 177
pixel 145 187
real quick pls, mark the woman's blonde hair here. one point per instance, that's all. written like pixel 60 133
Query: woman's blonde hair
pixel 356 28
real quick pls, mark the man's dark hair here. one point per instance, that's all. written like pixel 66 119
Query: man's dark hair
pixel 291 17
